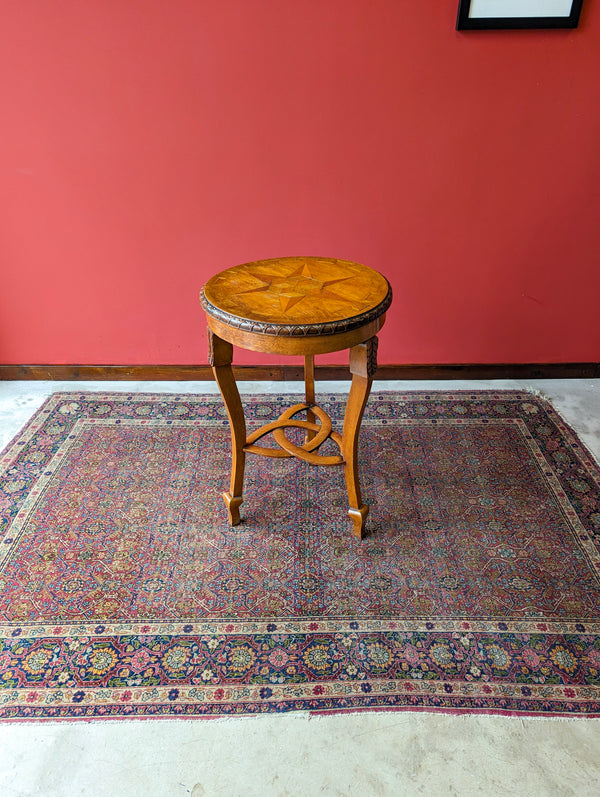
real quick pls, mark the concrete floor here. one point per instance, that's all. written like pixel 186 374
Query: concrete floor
pixel 389 753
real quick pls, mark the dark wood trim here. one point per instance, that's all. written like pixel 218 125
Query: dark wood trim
pixel 286 373
pixel 297 330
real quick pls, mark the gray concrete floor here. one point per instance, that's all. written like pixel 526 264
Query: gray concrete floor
pixel 388 753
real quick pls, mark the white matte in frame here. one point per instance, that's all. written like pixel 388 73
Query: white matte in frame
pixel 484 9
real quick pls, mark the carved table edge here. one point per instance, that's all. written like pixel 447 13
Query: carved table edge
pixel 297 330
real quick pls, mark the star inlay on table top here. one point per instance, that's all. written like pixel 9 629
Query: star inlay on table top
pixel 296 291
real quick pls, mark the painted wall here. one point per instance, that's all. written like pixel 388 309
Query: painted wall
pixel 146 144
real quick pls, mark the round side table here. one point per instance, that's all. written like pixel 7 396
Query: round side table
pixel 302 306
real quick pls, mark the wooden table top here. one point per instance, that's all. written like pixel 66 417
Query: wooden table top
pixel 297 296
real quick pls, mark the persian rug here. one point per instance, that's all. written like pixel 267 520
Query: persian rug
pixel 125 593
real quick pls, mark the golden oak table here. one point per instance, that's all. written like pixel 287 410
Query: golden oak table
pixel 303 306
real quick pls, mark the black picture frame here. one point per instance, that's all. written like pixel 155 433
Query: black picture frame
pixel 466 22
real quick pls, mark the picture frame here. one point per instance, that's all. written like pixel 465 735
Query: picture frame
pixel 517 14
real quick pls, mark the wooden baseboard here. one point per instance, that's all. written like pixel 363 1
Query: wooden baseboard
pixel 286 373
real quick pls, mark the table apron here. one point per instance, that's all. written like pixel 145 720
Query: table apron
pixel 295 345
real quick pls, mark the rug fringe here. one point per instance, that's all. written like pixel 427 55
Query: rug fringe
pixel 534 391
pixel 420 715
pixel 461 716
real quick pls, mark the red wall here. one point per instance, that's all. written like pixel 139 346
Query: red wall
pixel 146 144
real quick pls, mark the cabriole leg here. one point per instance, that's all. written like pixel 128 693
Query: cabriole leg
pixel 220 355
pixel 363 364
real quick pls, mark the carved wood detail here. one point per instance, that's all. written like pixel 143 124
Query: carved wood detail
pixel 372 346
pixel 297 330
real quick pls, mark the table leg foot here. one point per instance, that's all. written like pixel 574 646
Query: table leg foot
pixel 233 503
pixel 358 518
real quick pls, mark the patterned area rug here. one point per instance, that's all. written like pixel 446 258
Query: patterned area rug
pixel 124 592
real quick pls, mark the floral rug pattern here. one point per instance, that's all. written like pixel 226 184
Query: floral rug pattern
pixel 125 593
